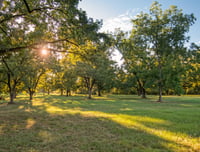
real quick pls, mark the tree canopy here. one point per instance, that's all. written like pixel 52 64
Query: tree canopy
pixel 158 36
pixel 51 45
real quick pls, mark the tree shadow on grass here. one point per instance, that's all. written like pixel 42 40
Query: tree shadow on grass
pixel 181 119
pixel 25 131
pixel 51 125
pixel 178 119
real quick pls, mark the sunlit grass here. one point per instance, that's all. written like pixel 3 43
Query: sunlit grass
pixel 112 123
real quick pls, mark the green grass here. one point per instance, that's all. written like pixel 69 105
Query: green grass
pixel 115 123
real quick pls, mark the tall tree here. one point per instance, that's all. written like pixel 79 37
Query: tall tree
pixel 138 62
pixel 162 33
pixel 94 65
pixel 69 74
pixel 12 67
pixel 33 70
pixel 192 77
pixel 56 25
pixel 54 22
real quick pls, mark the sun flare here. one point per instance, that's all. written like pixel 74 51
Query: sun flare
pixel 44 52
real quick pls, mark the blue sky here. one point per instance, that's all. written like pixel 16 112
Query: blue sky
pixel 117 13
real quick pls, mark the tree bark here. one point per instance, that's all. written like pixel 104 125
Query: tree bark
pixel 138 91
pixel 15 94
pixel 11 89
pixel 68 92
pixel 143 93
pixel 61 92
pixel 11 83
pixel 12 95
pixel 89 84
pixel 141 89
pixel 160 80
pixel 31 93
pixel 89 93
pixel 99 92
pixel 48 91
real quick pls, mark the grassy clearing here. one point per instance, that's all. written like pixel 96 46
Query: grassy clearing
pixel 107 124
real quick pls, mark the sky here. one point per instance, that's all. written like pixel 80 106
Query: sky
pixel 117 13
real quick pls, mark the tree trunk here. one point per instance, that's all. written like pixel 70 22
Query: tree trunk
pixel 89 84
pixel 143 93
pixel 167 91
pixel 31 92
pixel 12 96
pixel 186 92
pixel 138 91
pixel 99 92
pixel 68 92
pixel 11 89
pixel 89 93
pixel 141 89
pixel 160 94
pixel 61 92
pixel 160 80
pixel 31 95
pixel 48 91
pixel 67 95
pixel 15 94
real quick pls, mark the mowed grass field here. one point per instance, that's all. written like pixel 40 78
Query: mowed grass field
pixel 114 123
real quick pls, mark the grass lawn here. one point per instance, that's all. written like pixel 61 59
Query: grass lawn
pixel 115 123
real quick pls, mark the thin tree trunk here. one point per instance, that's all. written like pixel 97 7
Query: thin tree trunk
pixel 138 91
pixel 61 92
pixel 141 89
pixel 12 94
pixel 167 91
pixel 89 93
pixel 89 84
pixel 30 96
pixel 15 94
pixel 160 80
pixel 186 91
pixel 99 92
pixel 31 93
pixel 143 93
pixel 160 94
pixel 68 93
pixel 48 91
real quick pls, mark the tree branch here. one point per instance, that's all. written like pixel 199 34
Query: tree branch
pixel 26 4
pixel 29 12
pixel 3 31
pixel 7 66
pixel 40 9
pixel 11 16
pixel 32 46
